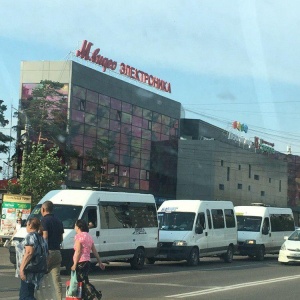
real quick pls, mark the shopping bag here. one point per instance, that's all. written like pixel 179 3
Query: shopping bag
pixel 73 287
pixel 79 291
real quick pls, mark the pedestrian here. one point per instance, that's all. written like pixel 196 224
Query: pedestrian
pixel 25 251
pixel 53 233
pixel 83 246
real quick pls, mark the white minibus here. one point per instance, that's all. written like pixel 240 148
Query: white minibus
pixel 261 229
pixel 125 224
pixel 190 229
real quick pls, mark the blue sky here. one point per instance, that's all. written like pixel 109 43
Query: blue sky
pixel 226 60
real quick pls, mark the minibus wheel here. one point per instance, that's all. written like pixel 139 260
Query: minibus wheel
pixel 193 259
pixel 228 256
pixel 138 260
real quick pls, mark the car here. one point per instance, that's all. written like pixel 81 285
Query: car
pixel 290 249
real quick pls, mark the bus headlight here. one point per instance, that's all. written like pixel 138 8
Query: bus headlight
pixel 250 242
pixel 180 243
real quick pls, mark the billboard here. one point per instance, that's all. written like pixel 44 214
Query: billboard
pixel 13 207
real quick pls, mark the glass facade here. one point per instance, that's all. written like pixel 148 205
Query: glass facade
pixel 53 113
pixel 131 128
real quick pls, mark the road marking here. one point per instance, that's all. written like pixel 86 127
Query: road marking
pixel 233 287
pixel 173 272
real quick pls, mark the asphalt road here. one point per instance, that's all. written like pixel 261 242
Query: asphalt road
pixel 213 279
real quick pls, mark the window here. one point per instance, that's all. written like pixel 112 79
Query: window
pixel 240 186
pixel 217 218
pixel 116 169
pixel 282 222
pixel 115 215
pixel 208 218
pixel 249 188
pixel 201 220
pixel 229 218
pixel 79 163
pixel 249 171
pixel 279 185
pixel 221 187
pixel 262 193
pixel 90 216
pixel 176 221
pixel 228 173
pixel 270 180
pixel 248 223
pixel 256 177
pixel 240 167
pixel 222 163
pixel 82 105
pixel 68 214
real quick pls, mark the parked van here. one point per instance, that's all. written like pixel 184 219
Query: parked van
pixel 261 229
pixel 125 224
pixel 190 229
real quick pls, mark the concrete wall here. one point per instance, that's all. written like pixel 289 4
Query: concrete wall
pixel 211 169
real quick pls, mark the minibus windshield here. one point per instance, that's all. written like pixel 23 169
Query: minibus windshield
pixel 68 214
pixel 249 223
pixel 176 221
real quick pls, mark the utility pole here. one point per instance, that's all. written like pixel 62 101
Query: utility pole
pixel 24 141
pixel 9 152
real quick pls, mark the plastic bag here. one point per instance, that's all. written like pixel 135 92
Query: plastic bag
pixel 73 288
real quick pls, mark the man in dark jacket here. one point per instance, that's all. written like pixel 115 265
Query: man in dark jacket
pixel 53 233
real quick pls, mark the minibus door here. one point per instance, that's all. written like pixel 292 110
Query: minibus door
pixel 267 238
pixel 201 232
pixel 91 216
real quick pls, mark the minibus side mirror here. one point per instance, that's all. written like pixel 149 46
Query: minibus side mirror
pixel 199 229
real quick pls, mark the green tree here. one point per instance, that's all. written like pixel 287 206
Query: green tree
pixel 96 160
pixel 41 172
pixel 4 139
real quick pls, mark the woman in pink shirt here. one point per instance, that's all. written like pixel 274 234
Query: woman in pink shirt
pixel 83 246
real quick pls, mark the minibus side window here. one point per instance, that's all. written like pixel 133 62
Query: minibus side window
pixel 201 220
pixel 90 216
pixel 282 222
pixel 115 215
pixel 266 226
pixel 218 218
pixel 208 218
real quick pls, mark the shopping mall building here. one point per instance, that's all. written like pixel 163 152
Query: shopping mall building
pixel 156 150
